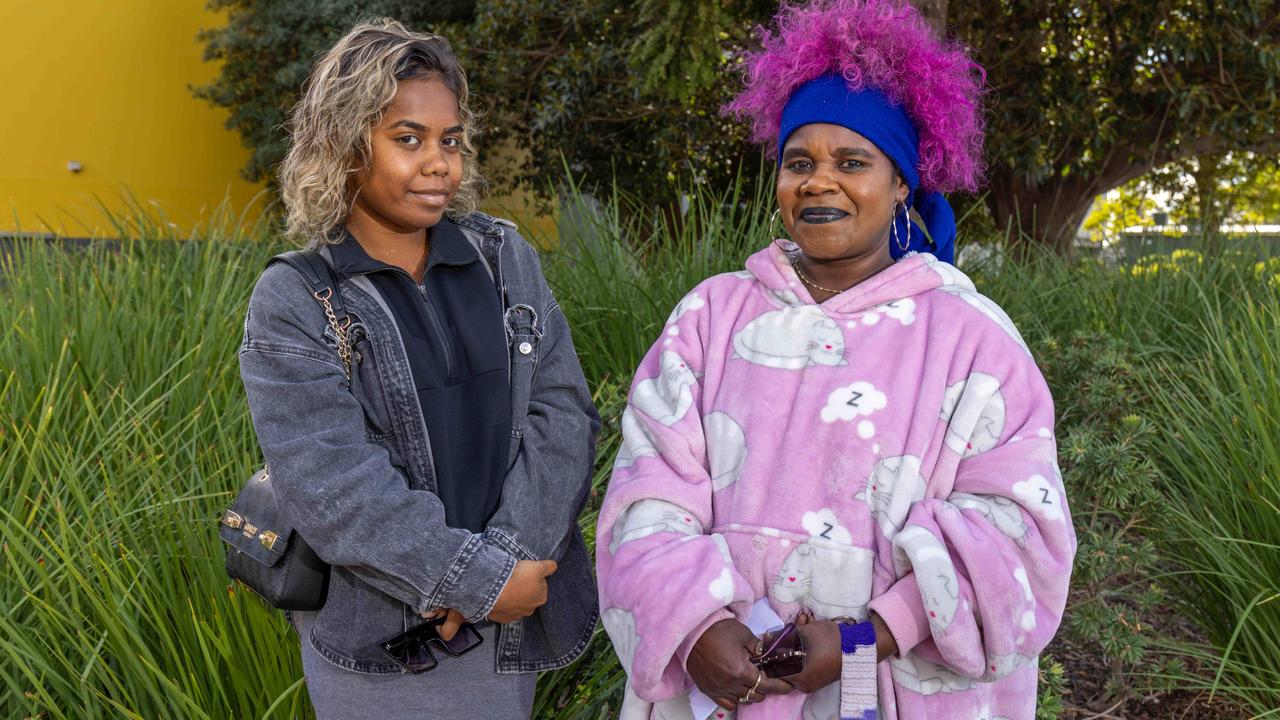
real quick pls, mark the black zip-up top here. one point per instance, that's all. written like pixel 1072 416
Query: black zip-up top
pixel 454 337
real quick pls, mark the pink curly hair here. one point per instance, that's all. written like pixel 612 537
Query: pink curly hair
pixel 883 44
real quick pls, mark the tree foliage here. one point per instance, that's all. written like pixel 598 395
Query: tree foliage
pixel 626 91
pixel 1201 193
pixel 1087 94
pixel 266 51
pixel 1217 188
pixel 1090 94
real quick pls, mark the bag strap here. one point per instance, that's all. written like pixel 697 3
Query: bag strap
pixel 322 280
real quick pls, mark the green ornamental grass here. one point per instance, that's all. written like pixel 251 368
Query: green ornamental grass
pixel 1221 467
pixel 124 432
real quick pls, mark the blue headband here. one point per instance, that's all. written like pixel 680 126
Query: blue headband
pixel 869 113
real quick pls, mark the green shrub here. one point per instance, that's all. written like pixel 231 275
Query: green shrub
pixel 1104 450
pixel 1052 684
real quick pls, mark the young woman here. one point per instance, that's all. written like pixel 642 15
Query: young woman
pixel 845 434
pixel 443 480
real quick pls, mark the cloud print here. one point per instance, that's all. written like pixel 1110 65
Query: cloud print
pixel 851 401
pixel 722 587
pixel 692 301
pixel 1040 496
pixel 825 524
pixel 904 311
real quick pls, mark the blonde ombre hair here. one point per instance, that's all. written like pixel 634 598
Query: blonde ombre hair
pixel 331 126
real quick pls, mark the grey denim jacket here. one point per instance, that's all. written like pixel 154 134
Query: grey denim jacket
pixel 353 465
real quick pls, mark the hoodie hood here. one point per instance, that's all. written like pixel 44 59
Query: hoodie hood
pixel 910 276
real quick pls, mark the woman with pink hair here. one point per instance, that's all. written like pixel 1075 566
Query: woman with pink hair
pixel 845 435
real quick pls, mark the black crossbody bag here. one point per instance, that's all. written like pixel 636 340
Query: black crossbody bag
pixel 264 550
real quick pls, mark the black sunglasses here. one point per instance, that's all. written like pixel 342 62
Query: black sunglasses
pixel 412 649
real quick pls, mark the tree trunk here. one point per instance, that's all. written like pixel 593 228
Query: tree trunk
pixel 935 13
pixel 1046 214
pixel 1209 203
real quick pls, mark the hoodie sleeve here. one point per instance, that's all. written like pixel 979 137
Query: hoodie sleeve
pixel 662 575
pixel 984 565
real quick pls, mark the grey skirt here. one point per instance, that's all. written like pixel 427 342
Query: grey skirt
pixel 464 688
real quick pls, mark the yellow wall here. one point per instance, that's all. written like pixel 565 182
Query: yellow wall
pixel 105 83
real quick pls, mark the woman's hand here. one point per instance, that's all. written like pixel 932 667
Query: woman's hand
pixel 449 627
pixel 525 592
pixel 720 665
pixel 822 659
pixel 821 640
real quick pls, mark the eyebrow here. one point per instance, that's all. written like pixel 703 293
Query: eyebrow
pixel 409 124
pixel 840 152
pixel 422 128
pixel 854 151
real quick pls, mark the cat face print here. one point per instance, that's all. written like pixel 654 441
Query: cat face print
pixel 637 441
pixel 974 412
pixel 1001 512
pixel 649 516
pixel 895 484
pixel 925 677
pixel 795 575
pixel 831 580
pixel 1001 665
pixel 668 397
pixel 726 449
pixel 934 572
pixel 792 338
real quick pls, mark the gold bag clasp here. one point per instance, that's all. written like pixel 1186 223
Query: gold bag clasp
pixel 268 540
pixel 232 519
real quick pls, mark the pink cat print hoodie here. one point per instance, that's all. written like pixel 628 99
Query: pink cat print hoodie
pixel 890 450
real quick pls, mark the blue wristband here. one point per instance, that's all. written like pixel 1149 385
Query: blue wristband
pixel 858 691
pixel 854 635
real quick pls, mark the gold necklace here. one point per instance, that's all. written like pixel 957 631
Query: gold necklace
pixel 795 265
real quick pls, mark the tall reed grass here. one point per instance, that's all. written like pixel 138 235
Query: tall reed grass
pixel 123 432
pixel 1221 465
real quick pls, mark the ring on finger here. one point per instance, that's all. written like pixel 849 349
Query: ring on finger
pixel 754 688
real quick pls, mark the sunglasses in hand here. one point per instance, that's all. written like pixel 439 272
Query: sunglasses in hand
pixel 781 652
pixel 411 649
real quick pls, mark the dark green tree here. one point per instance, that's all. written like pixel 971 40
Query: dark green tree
pixel 267 49
pixel 1087 94
pixel 1090 94
pixel 625 91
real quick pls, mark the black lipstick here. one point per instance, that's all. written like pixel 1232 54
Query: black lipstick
pixel 822 215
